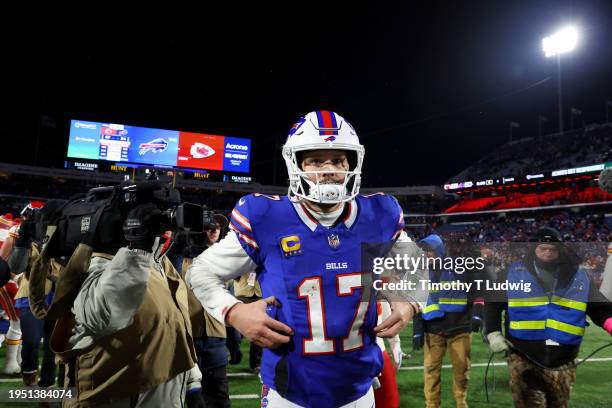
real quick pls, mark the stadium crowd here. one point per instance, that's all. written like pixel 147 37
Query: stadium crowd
pixel 568 193
pixel 575 225
pixel 586 146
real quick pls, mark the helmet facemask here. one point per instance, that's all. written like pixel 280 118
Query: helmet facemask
pixel 322 191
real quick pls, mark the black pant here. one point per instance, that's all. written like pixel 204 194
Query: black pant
pixel 255 353
pixel 212 360
pixel 32 331
pixel 215 388
pixel 233 345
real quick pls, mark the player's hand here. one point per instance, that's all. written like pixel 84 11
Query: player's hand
pixel 376 383
pixel 254 323
pixel 401 314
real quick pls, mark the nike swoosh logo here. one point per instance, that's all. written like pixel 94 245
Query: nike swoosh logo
pixel 241 201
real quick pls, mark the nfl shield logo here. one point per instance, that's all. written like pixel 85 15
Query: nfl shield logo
pixel 333 240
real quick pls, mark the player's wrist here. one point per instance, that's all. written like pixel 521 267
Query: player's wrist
pixel 415 307
pixel 230 314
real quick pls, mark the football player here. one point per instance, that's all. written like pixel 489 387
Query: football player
pixel 317 321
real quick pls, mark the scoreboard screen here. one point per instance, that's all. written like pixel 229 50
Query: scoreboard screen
pixel 149 146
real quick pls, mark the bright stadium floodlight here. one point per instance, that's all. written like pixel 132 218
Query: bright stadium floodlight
pixel 561 42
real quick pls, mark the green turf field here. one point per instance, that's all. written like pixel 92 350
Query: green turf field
pixel 593 386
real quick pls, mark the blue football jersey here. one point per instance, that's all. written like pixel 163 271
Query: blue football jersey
pixel 315 273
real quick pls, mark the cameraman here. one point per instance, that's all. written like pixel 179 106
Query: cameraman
pixel 132 333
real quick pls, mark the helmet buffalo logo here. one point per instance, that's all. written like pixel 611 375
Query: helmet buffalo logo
pixel 296 126
pixel 201 151
pixel 156 146
pixel 330 138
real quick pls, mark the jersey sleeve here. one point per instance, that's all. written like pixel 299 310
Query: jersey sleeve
pixel 220 263
pixel 399 213
pixel 394 211
pixel 240 223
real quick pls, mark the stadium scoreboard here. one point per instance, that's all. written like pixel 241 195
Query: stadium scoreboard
pixel 117 143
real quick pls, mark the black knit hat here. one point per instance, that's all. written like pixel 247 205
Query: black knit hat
pixel 546 234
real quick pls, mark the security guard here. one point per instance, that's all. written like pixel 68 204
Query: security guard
pixel 545 326
pixel 448 320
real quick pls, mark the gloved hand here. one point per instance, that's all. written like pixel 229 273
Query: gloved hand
pixel 497 342
pixel 376 383
pixel 141 226
pixel 398 354
pixel 608 325
pixel 194 399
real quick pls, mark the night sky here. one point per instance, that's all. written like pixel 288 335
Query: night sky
pixel 429 86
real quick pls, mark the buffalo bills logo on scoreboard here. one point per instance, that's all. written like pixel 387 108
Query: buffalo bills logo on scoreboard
pixel 156 146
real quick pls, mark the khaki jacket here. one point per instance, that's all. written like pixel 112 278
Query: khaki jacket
pixel 201 321
pixel 153 349
pixel 244 289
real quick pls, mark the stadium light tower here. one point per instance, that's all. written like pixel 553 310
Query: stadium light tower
pixel 559 43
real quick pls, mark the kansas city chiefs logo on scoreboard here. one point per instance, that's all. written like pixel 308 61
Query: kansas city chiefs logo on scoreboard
pixel 201 151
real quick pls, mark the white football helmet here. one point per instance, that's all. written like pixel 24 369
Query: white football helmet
pixel 323 130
